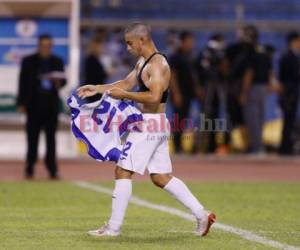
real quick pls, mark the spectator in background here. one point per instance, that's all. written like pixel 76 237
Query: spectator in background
pixel 237 55
pixel 257 77
pixel 270 50
pixel 212 72
pixel 171 42
pixel 289 76
pixel 94 71
pixel 40 79
pixel 182 82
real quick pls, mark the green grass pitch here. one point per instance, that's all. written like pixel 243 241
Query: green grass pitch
pixel 57 215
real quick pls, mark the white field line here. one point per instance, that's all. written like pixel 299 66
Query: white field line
pixel 170 210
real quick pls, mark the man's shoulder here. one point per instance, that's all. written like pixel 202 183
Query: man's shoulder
pixel 29 58
pixel 160 58
pixel 286 55
pixel 159 62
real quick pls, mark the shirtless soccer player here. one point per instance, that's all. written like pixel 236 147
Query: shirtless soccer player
pixel 148 150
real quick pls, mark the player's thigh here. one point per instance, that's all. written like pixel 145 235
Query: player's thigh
pixel 160 162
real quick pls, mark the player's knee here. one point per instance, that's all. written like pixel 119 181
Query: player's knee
pixel 159 180
pixel 121 173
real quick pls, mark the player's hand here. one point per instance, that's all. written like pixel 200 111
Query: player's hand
pixel 117 93
pixel 87 90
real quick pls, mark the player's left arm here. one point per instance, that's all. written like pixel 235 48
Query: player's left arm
pixel 155 84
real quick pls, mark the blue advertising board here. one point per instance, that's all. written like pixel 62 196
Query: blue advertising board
pixel 18 37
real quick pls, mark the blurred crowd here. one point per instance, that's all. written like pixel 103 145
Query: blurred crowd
pixel 229 81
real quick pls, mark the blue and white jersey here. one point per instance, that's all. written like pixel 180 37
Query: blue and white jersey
pixel 101 124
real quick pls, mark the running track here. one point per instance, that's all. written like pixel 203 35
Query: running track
pixel 200 168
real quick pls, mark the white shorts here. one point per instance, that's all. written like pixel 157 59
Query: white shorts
pixel 148 149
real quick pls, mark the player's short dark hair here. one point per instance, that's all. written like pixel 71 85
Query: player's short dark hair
pixel 291 36
pixel 184 35
pixel 140 29
pixel 44 36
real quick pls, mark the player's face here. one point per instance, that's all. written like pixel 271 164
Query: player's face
pixel 133 44
pixel 45 47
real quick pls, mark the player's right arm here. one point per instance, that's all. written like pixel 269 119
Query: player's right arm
pixel 126 84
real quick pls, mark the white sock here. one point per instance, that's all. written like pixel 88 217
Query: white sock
pixel 181 193
pixel 120 199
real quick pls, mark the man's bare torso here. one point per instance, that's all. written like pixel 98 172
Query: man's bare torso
pixel 155 63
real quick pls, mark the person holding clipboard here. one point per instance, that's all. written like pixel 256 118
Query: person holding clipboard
pixel 41 77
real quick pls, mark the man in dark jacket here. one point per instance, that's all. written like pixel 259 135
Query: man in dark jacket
pixel 183 82
pixel 211 66
pixel 289 75
pixel 238 55
pixel 40 79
